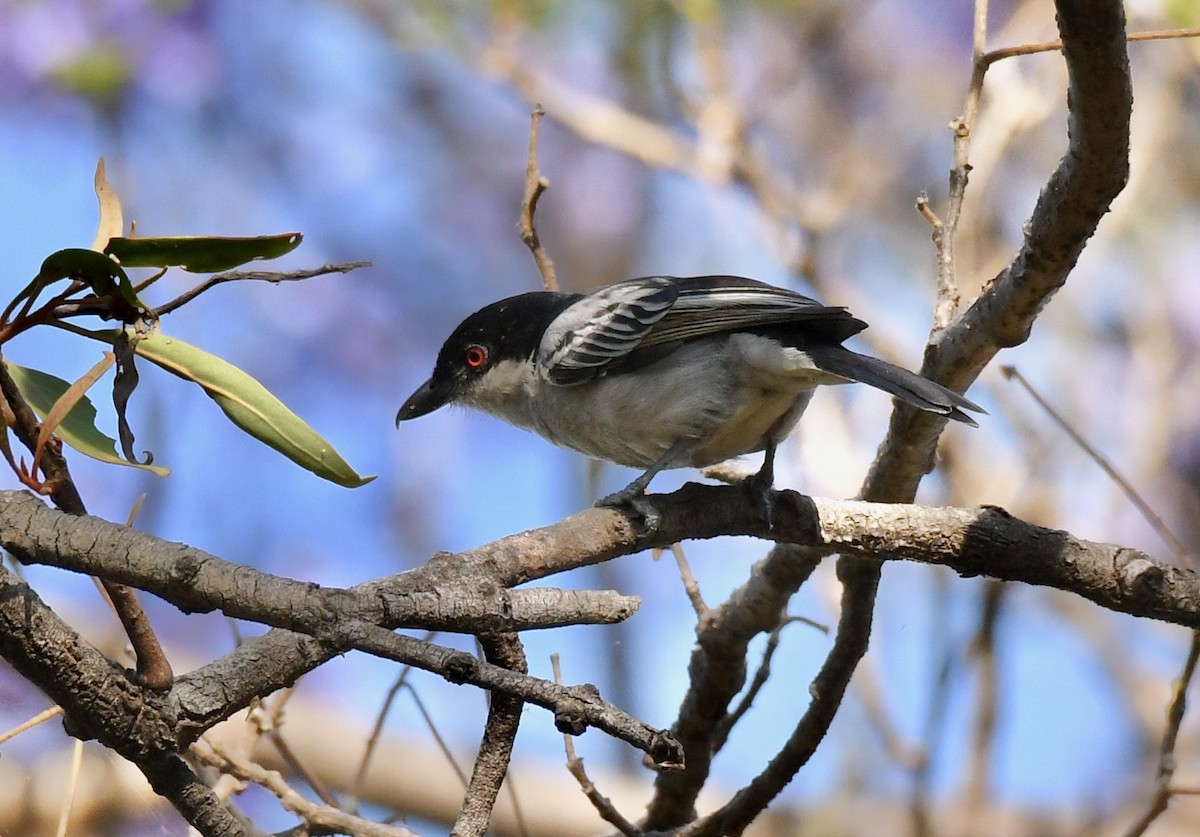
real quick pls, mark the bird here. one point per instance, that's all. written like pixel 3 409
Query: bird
pixel 662 372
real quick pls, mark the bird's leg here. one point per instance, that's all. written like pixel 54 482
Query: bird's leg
pixel 760 484
pixel 634 494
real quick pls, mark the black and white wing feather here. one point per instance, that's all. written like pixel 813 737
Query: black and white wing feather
pixel 603 328
pixel 632 322
pixel 708 305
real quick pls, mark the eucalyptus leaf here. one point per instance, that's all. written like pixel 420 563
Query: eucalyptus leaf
pixel 78 429
pixel 250 406
pixel 200 254
pixel 103 275
pixel 96 269
pixel 112 220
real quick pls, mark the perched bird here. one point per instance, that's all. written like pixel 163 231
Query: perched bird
pixel 661 372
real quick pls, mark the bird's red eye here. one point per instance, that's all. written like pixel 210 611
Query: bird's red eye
pixel 475 357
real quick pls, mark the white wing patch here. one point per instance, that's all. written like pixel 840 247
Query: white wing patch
pixel 601 328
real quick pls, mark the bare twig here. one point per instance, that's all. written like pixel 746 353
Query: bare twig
pixel 64 816
pixel 935 721
pixel 945 230
pixel 360 777
pixel 1166 753
pixel 1166 761
pixel 1054 46
pixel 535 185
pixel 603 805
pixel 255 276
pixel 689 582
pixel 324 817
pixel 761 675
pixel 983 648
pixel 1148 514
pixel 39 718
pixel 294 763
pixel 437 736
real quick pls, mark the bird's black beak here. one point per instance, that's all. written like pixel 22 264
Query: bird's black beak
pixel 429 396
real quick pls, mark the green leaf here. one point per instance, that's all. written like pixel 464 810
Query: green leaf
pixel 78 429
pixel 250 406
pixel 99 271
pixel 200 254
pixel 103 275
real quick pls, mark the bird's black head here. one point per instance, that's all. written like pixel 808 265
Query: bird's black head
pixel 510 329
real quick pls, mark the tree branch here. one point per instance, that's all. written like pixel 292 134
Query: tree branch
pixel 499 735
pixel 101 702
pixel 1091 174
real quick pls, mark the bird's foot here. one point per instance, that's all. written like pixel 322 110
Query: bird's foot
pixel 760 486
pixel 633 498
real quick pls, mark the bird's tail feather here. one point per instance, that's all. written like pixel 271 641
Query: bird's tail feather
pixel 907 386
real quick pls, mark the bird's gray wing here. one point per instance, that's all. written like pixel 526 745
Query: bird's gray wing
pixel 602 328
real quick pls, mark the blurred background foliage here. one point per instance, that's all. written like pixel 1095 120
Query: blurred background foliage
pixel 787 141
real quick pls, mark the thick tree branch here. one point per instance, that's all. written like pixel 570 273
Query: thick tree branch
pixel 971 541
pixel 1090 175
pixel 717 673
pixel 101 702
pixel 1092 172
pixel 982 541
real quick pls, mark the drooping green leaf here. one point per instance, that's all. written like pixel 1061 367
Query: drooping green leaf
pixel 103 275
pixel 78 429
pixel 96 269
pixel 250 406
pixel 200 254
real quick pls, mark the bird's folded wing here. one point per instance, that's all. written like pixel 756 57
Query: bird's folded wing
pixel 603 327
pixel 709 305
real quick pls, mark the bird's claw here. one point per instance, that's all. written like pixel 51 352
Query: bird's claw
pixel 760 486
pixel 633 498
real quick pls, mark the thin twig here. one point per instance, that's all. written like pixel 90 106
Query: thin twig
pixel 373 739
pixel 603 805
pixel 945 230
pixel 1166 760
pixel 437 736
pixel 1166 752
pixel 983 648
pixel 761 675
pixel 535 185
pixel 255 276
pixel 323 818
pixel 1054 46
pixel 64 816
pixel 1156 523
pixel 39 718
pixel 936 716
pixel 293 761
pixel 689 582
